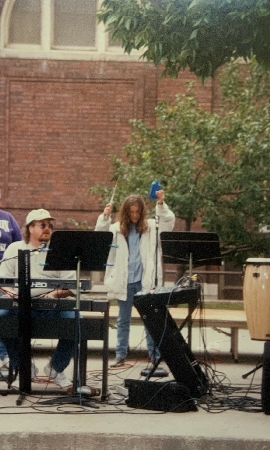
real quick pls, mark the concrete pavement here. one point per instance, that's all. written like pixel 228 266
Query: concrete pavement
pixel 229 419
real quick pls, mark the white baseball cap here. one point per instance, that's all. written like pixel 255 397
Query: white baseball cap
pixel 38 214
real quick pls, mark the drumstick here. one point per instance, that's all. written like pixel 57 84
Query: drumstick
pixel 113 192
pixel 112 197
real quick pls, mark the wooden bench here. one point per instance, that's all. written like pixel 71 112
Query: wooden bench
pixel 214 318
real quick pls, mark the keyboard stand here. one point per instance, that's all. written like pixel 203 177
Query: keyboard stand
pixel 87 250
pixel 24 324
pixel 173 348
pixel 93 327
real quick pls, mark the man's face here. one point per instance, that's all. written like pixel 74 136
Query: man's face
pixel 134 213
pixel 41 230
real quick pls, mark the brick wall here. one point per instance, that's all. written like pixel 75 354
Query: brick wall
pixel 168 88
pixel 61 120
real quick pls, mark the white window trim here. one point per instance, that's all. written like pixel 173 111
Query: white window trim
pixel 102 51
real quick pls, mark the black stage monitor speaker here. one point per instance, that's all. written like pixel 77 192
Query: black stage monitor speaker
pixel 159 396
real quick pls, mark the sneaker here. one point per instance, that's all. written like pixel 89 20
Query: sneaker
pixel 62 380
pixel 58 378
pixel 49 371
pixel 16 383
pixel 34 371
pixel 118 361
pixel 4 370
pixel 5 361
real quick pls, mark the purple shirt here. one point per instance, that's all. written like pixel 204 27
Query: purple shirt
pixel 9 231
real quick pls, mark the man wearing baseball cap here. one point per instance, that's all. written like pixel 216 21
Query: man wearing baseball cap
pixel 37 234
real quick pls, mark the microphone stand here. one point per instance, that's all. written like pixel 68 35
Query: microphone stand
pixel 155 364
pixel 156 268
pixel 153 372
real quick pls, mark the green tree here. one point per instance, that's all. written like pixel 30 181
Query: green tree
pixel 213 167
pixel 200 34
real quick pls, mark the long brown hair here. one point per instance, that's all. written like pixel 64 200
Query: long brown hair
pixel 26 234
pixel 124 215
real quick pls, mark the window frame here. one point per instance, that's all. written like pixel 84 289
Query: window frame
pixel 46 50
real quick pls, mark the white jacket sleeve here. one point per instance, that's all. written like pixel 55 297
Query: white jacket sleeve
pixel 103 223
pixel 166 217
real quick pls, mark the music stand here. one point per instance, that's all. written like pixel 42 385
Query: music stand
pixel 78 250
pixel 192 248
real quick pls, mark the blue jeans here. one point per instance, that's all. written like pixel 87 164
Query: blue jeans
pixel 123 325
pixel 3 350
pixel 64 349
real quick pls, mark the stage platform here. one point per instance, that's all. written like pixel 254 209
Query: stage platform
pixel 235 420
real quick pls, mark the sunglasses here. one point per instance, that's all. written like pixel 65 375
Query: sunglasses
pixel 44 225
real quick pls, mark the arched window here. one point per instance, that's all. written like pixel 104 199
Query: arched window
pixel 25 22
pixel 74 23
pixel 56 29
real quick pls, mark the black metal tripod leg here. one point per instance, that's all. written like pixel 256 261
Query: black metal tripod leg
pixel 20 399
pixel 266 379
pixel 252 371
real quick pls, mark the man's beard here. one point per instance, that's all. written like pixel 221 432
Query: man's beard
pixel 44 239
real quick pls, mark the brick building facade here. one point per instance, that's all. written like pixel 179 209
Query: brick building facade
pixel 61 119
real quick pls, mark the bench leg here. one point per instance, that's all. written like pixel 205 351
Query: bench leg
pixel 234 343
